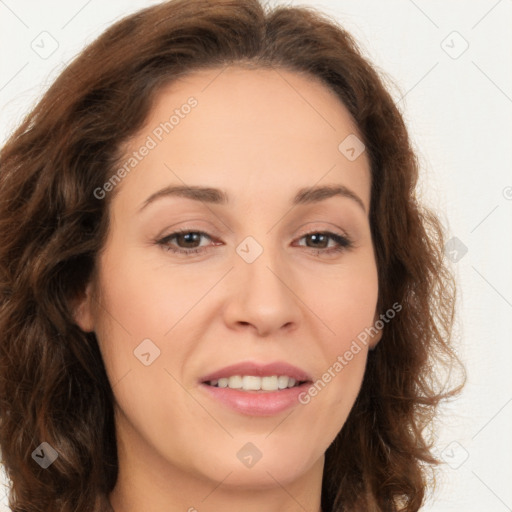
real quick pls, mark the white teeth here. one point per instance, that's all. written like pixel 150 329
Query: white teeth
pixel 223 383
pixel 282 381
pixel 235 382
pixel 250 383
pixel 253 383
pixel 269 383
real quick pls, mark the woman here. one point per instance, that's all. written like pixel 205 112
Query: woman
pixel 218 288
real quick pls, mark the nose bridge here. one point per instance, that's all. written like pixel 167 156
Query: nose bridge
pixel 260 266
pixel 263 296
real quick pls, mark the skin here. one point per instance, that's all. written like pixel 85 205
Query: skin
pixel 260 135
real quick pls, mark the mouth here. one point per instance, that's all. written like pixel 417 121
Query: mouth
pixel 256 389
pixel 254 383
pixel 254 376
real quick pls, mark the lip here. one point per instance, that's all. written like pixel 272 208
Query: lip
pixel 257 403
pixel 259 370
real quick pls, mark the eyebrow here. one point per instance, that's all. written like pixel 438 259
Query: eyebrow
pixel 306 195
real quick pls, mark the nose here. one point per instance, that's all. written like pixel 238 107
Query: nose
pixel 263 295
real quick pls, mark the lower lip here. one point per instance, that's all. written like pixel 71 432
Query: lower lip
pixel 257 403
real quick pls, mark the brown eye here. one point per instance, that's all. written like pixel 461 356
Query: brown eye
pixel 188 242
pixel 185 242
pixel 320 241
pixel 190 238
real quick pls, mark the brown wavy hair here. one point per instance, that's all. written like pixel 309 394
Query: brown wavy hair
pixel 53 383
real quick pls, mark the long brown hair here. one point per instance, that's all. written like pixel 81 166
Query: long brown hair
pixel 53 384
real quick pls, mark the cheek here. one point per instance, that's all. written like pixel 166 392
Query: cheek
pixel 346 306
pixel 349 313
pixel 141 298
pixel 137 309
pixel 346 303
pixel 131 312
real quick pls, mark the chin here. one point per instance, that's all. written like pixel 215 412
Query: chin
pixel 274 465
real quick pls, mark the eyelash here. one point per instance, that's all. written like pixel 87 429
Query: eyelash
pixel 343 242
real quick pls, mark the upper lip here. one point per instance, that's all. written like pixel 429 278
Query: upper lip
pixel 259 370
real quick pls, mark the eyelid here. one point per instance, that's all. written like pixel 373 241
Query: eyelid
pixel 303 232
pixel 315 228
pixel 343 241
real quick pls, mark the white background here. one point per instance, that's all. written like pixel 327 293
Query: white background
pixel 458 107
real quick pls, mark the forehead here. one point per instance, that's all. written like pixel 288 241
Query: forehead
pixel 268 101
pixel 256 130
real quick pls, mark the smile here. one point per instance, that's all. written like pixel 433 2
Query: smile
pixel 255 383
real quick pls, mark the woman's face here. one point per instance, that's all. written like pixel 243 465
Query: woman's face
pixel 260 284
